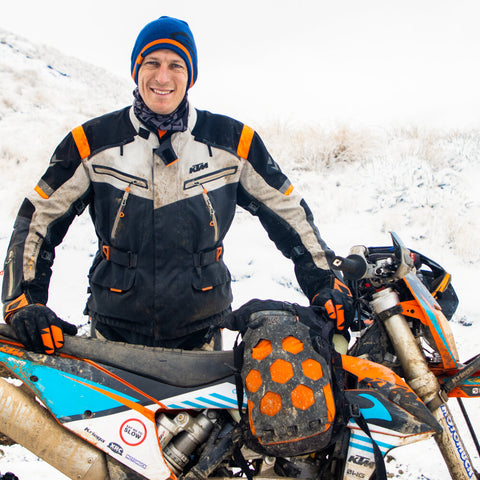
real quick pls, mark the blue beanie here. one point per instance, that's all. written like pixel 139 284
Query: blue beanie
pixel 169 33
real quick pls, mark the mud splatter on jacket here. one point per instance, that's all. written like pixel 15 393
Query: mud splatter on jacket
pixel 161 210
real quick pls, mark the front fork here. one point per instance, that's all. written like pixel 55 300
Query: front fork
pixel 423 382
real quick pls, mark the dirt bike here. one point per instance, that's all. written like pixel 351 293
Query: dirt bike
pixel 104 410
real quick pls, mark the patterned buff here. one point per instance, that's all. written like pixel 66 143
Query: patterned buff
pixel 173 122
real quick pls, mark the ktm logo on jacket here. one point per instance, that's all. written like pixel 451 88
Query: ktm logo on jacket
pixel 198 167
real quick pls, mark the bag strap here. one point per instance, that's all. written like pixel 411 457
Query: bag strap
pixel 242 463
pixel 353 411
pixel 380 470
pixel 238 351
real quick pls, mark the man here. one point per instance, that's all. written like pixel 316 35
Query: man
pixel 162 181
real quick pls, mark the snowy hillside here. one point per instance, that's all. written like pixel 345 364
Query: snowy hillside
pixel 359 182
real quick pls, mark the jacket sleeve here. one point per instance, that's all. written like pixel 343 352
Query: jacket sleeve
pixel 267 193
pixel 41 224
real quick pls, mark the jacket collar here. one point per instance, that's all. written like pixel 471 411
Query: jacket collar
pixel 192 119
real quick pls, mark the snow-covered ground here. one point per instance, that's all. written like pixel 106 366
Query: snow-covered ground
pixel 360 183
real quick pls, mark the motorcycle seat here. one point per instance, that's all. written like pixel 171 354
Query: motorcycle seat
pixel 181 368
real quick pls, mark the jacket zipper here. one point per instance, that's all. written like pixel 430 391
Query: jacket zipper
pixel 122 176
pixel 120 212
pixel 9 262
pixel 211 211
pixel 210 177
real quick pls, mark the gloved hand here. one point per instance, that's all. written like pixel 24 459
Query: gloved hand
pixel 8 476
pixel 337 303
pixel 39 329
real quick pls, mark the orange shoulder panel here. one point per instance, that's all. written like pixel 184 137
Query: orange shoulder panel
pixel 81 142
pixel 246 138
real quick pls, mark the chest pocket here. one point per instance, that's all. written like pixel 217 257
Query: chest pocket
pixel 119 175
pixel 209 177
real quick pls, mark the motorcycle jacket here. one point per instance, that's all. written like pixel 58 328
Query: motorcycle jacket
pixel 161 207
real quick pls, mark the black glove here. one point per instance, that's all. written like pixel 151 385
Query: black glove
pixel 39 329
pixel 241 319
pixel 337 303
pixel 8 476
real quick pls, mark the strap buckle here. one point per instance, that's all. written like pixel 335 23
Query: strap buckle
pixel 354 410
pixel 202 259
pixel 125 259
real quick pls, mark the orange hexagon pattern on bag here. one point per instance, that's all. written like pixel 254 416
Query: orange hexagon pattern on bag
pixel 302 397
pixel 262 350
pixel 312 369
pixel 270 404
pixel 281 371
pixel 292 345
pixel 253 381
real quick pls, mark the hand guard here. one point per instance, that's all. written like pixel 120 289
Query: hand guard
pixel 39 329
pixel 337 303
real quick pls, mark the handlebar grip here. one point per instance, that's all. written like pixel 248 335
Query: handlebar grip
pixel 353 267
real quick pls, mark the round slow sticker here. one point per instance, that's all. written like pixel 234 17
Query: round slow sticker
pixel 133 432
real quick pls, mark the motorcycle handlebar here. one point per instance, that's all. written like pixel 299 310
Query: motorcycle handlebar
pixel 354 267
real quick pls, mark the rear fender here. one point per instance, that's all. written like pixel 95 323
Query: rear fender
pixel 95 404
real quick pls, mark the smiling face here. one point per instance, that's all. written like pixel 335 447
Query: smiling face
pixel 162 81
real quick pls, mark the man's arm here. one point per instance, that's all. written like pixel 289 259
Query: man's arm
pixel 41 224
pixel 267 193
